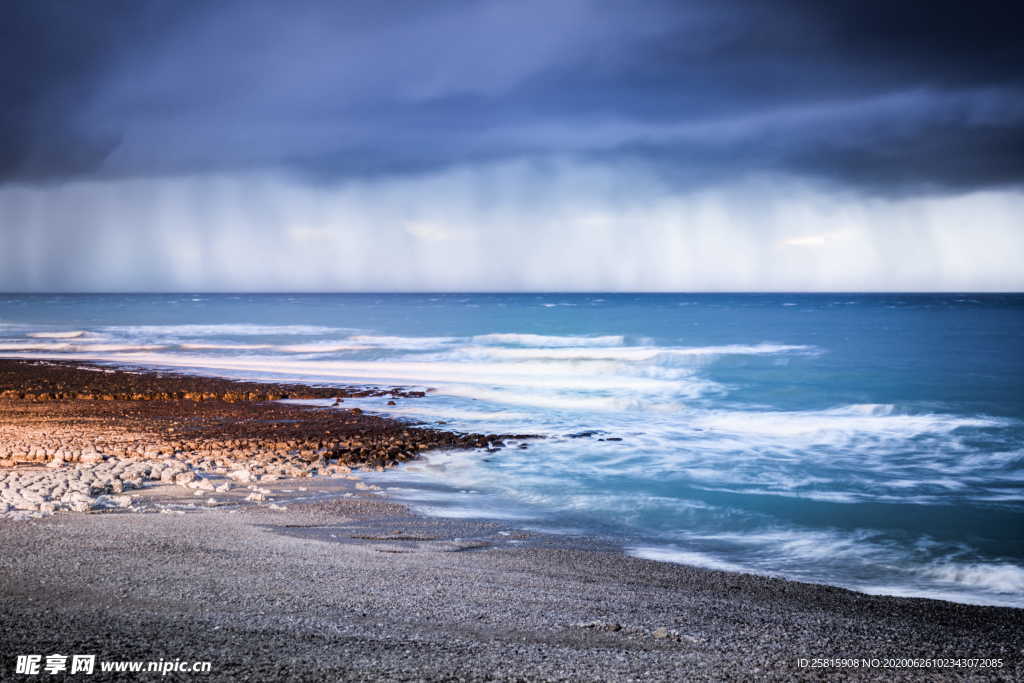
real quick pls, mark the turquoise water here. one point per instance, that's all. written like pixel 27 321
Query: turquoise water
pixel 868 441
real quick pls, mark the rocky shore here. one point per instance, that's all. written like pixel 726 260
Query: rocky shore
pixel 277 563
pixel 80 437
pixel 55 380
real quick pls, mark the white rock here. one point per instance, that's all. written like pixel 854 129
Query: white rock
pixel 184 478
pixel 77 502
pixel 31 496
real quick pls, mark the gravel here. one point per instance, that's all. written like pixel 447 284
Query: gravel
pixel 357 588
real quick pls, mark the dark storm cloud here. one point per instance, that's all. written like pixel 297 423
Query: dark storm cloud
pixel 898 96
pixel 53 54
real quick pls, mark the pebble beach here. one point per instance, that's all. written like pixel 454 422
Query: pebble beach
pixel 194 518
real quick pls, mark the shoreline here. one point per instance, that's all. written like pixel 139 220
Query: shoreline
pixel 351 585
pixel 79 436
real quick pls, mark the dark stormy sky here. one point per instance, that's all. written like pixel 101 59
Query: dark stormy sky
pixel 562 144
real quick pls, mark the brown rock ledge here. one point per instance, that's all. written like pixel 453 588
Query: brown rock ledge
pixel 232 430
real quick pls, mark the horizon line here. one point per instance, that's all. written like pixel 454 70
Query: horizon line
pixel 504 292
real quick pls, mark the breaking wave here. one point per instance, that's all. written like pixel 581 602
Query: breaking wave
pixel 57 335
pixel 548 340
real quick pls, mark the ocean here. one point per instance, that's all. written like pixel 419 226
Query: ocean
pixel 871 441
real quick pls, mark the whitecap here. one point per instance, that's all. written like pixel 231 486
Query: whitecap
pixel 74 334
pixel 655 354
pixel 320 347
pixel 227 347
pixel 222 329
pixel 838 423
pixel 64 347
pixel 403 342
pixel 548 340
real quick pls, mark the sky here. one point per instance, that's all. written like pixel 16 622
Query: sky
pixel 458 145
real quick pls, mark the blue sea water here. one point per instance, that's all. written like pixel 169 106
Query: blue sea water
pixel 872 441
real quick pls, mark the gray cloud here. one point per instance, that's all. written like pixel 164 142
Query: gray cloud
pixel 892 97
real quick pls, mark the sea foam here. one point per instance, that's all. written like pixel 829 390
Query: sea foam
pixel 57 335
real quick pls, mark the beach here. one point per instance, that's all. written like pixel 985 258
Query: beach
pixel 300 571
pixel 519 341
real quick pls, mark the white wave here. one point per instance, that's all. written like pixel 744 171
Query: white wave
pixel 688 557
pixel 222 330
pixel 998 577
pixel 469 513
pixel 554 386
pixel 562 401
pixel 41 346
pixel 57 335
pixel 864 409
pixel 822 496
pixel 113 348
pixel 354 343
pixel 967 597
pixel 534 375
pixel 1001 498
pixel 793 550
pixel 547 340
pixel 322 347
pixel 403 342
pixel 226 347
pixel 628 353
pixel 800 546
pixel 742 349
pixel 621 506
pixel 878 420
pixel 951 484
pixel 453 413
pixel 973 462
pixel 64 347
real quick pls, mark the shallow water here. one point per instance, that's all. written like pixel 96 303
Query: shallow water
pixel 869 441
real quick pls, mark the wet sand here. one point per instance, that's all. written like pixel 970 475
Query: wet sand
pixel 323 580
